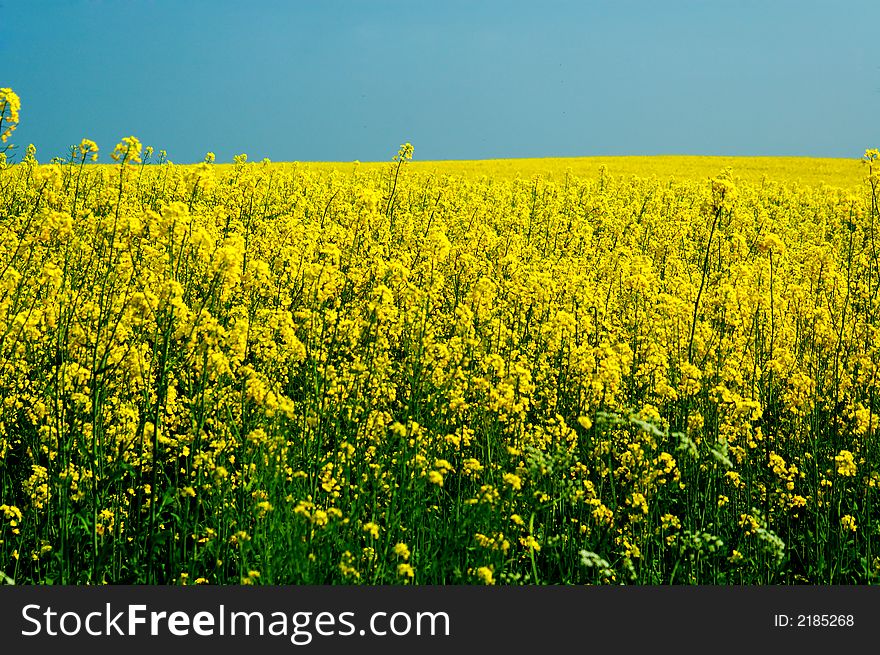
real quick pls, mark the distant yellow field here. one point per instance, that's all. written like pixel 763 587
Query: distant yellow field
pixel 843 173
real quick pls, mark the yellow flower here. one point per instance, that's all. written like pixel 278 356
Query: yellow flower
pixel 513 480
pixel 347 566
pixel 797 501
pixel 530 542
pixel 846 465
pixel 87 149
pixel 127 151
pixel 848 522
pixel 485 575
pixel 638 502
pixel 404 570
pixel 585 422
pixel 771 243
pixel 11 513
pixel 372 529
pixel 405 153
pixel 603 514
pixel 472 465
pixel 401 550
pixel 10 105
pixel 670 522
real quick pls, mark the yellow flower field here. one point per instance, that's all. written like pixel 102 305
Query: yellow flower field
pixel 844 173
pixel 623 371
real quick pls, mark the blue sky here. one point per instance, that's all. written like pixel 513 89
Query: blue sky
pixel 344 80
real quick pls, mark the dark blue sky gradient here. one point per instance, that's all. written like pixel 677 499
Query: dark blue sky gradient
pixel 334 80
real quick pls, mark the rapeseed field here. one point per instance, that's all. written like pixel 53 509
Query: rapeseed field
pixel 621 371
